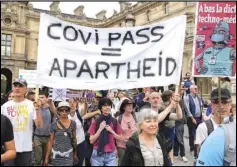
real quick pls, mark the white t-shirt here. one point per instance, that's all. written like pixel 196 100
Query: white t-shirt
pixel 21 115
pixel 79 131
pixel 202 133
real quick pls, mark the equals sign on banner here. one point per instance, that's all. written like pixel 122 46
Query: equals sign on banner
pixel 111 52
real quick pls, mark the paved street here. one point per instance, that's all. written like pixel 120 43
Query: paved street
pixel 178 161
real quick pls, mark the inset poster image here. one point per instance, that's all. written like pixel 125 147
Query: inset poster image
pixel 214 51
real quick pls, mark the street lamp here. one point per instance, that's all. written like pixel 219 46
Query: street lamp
pixel 130 19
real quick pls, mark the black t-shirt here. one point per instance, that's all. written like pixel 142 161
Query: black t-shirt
pixel 162 124
pixel 6 131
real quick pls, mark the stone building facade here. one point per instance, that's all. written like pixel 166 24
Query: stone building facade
pixel 20 29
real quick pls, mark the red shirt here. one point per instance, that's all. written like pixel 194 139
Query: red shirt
pixel 110 147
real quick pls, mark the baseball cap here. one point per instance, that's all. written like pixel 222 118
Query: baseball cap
pixel 225 94
pixel 63 104
pixel 20 81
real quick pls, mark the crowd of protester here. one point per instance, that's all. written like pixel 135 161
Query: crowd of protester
pixel 118 128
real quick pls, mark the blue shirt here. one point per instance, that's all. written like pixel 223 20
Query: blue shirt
pixel 197 106
pixel 212 150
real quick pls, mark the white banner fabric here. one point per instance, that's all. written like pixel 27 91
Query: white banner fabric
pixel 77 57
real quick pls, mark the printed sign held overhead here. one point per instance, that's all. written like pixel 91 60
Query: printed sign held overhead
pixel 215 45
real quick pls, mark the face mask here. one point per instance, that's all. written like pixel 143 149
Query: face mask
pixel 218 37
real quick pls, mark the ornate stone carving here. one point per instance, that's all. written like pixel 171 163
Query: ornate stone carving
pixel 115 12
pixel 101 15
pixel 30 6
pixel 79 11
pixel 54 8
pixel 124 6
pixel 9 13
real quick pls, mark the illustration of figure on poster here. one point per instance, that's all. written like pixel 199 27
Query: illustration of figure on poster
pixel 219 58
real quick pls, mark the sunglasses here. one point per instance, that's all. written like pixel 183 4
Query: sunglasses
pixel 64 109
pixel 222 102
pixel 129 126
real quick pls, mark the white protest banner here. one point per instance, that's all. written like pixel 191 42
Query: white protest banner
pixel 77 57
pixel 30 76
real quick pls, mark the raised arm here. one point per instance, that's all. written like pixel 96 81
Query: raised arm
pixel 38 120
pixel 178 115
pixel 91 114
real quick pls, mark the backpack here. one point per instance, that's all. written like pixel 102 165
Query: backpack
pixel 120 117
pixel 230 144
pixel 210 127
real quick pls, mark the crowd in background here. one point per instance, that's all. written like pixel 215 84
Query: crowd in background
pixel 143 127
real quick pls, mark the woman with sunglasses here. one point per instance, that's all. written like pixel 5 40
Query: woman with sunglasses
pixel 60 142
pixel 127 119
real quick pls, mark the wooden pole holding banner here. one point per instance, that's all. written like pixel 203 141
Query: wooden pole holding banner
pixel 178 87
pixel 219 98
pixel 36 92
pixel 201 81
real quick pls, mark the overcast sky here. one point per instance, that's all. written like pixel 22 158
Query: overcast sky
pixel 90 8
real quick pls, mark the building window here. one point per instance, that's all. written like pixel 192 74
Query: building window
pixel 6 43
pixel 190 29
pixel 166 6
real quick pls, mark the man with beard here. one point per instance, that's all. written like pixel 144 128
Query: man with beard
pixel 187 83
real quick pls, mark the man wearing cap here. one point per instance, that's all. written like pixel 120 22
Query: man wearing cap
pixel 21 112
pixel 202 131
pixel 215 148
